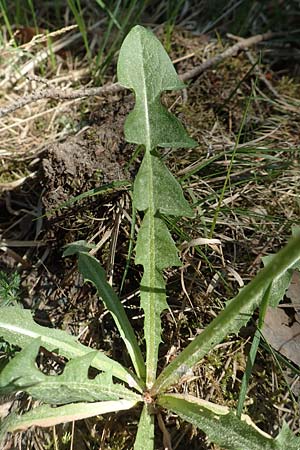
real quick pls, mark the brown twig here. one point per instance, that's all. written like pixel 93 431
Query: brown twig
pixel 59 94
pixel 68 94
pixel 166 435
pixel 242 45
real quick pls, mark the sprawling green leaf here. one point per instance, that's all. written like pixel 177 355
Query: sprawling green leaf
pixel 145 435
pixel 145 67
pixel 46 416
pixel 92 271
pixel 224 428
pixel 18 327
pixel 230 320
pixel 73 385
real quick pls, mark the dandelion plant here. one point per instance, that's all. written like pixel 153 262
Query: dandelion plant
pixel 145 68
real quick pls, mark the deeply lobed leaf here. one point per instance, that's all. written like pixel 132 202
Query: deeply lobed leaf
pixel 145 67
pixel 73 385
pixel 154 242
pixel 18 327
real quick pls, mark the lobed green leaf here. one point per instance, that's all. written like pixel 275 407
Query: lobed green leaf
pixel 153 301
pixel 73 385
pixel 281 284
pixel 145 67
pixel 18 327
pixel 155 245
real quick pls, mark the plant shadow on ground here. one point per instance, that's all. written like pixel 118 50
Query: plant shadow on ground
pixel 255 218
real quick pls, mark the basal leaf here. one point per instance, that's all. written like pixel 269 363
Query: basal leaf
pixel 223 427
pixel 145 434
pixel 145 67
pixel 92 271
pixel 46 416
pixel 18 327
pixel 155 186
pixel 73 385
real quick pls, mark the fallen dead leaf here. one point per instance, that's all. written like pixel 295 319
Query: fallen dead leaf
pixel 293 293
pixel 281 336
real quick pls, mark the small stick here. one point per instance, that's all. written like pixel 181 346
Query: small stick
pixel 241 45
pixel 67 94
pixel 59 94
pixel 166 435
